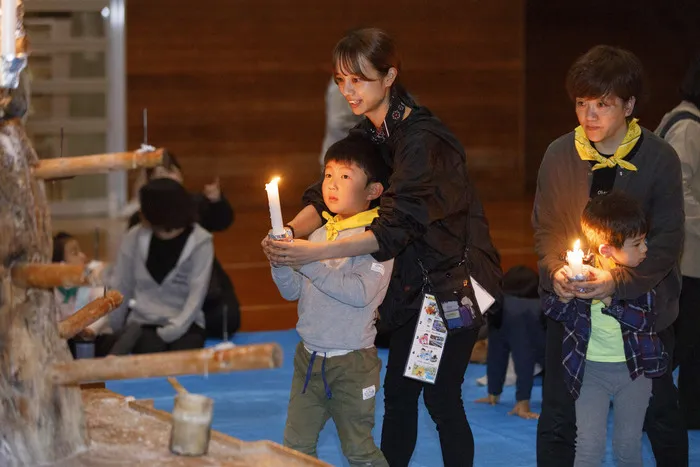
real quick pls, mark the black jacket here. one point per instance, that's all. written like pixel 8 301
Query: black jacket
pixel 427 213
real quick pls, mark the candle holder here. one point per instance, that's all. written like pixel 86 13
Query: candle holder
pixel 582 276
pixel 287 236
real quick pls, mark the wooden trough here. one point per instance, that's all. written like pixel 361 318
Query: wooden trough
pixel 127 432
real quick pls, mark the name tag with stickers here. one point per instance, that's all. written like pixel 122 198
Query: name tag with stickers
pixel 368 393
pixel 428 343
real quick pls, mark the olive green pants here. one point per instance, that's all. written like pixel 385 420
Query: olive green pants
pixel 352 381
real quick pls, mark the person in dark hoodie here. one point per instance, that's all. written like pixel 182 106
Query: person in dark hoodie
pixel 164 265
pixel 215 214
pixel 429 215
pixel 517 328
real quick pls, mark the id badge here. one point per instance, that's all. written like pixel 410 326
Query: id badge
pixel 429 341
pixel 460 314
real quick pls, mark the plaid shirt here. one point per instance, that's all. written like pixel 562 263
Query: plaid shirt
pixel 644 352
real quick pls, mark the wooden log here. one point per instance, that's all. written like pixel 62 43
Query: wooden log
pixel 41 422
pixel 62 167
pixel 187 362
pixel 90 313
pixel 50 275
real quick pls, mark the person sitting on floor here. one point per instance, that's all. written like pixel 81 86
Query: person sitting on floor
pixel 66 249
pixel 164 265
pixel 215 214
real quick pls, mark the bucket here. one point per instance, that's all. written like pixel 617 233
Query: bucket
pixel 191 428
pixel 84 349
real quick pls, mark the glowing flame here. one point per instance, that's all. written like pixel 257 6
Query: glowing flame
pixel 274 181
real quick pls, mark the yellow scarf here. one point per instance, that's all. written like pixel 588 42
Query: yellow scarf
pixel 334 225
pixel 588 153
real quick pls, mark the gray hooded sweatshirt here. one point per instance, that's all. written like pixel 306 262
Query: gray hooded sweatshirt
pixel 175 303
pixel 338 298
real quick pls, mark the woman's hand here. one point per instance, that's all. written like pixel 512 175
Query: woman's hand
pixel 295 253
pixel 599 285
pixel 562 285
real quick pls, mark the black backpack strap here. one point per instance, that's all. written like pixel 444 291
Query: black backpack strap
pixel 675 118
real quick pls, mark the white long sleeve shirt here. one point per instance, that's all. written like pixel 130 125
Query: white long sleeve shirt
pixel 684 136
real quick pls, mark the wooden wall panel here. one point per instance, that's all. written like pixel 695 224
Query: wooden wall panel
pixel 664 35
pixel 237 88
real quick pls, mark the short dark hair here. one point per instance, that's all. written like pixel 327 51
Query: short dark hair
pixel 59 246
pixel 521 281
pixel 165 204
pixel 605 70
pixel 169 162
pixel 359 149
pixel 690 88
pixel 611 219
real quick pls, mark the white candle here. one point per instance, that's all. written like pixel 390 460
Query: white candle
pixel 9 26
pixel 575 259
pixel 273 199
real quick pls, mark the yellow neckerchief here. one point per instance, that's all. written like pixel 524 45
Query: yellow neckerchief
pixel 334 225
pixel 588 153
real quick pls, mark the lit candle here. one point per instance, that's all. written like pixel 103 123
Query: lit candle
pixel 575 260
pixel 273 199
pixel 9 26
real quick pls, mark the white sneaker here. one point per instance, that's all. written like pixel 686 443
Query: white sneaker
pixel 510 376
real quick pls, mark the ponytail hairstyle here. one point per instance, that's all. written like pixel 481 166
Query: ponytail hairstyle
pixel 374 46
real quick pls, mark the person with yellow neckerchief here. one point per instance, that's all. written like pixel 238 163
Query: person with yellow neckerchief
pixel 609 151
pixel 336 367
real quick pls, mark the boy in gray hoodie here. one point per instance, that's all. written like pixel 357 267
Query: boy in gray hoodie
pixel 164 264
pixel 336 367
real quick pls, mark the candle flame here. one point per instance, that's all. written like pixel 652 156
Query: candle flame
pixel 577 245
pixel 274 181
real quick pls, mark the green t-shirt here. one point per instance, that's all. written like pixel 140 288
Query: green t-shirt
pixel 605 344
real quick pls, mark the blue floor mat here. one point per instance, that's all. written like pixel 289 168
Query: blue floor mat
pixel 252 405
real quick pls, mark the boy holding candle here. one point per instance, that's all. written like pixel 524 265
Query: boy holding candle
pixel 336 367
pixel 613 340
pixel 609 150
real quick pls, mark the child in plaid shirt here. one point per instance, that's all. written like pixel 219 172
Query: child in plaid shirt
pixel 612 340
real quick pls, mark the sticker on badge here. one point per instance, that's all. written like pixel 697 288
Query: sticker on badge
pixel 368 393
